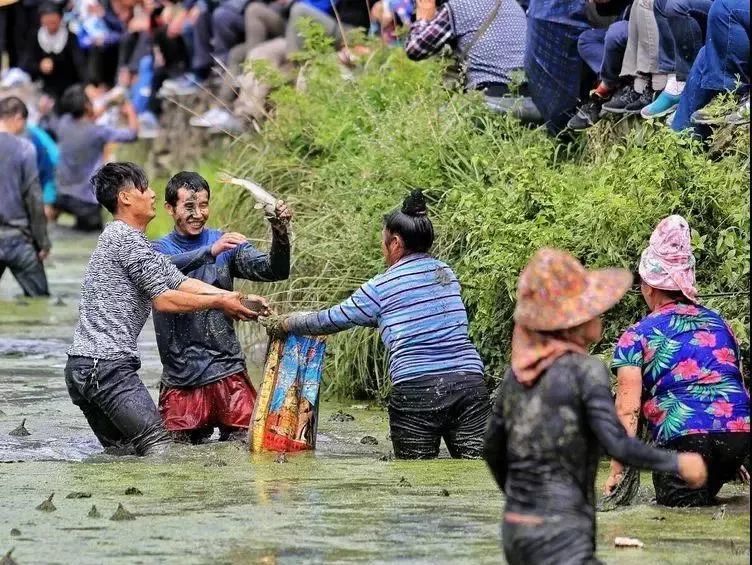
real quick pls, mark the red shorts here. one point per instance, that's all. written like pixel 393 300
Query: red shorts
pixel 226 403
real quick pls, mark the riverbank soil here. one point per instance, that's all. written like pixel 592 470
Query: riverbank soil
pixel 216 504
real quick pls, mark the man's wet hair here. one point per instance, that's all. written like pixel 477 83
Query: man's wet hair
pixel 74 101
pixel 411 223
pixel 114 178
pixel 13 106
pixel 189 180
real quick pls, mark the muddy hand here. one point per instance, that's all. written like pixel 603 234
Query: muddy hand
pixel 231 305
pixel 227 242
pixel 743 475
pixel 692 469
pixel 612 482
pixel 275 325
pixel 281 217
pixel 258 304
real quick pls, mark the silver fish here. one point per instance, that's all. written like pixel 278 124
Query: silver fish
pixel 266 200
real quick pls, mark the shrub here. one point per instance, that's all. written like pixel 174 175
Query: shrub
pixel 346 150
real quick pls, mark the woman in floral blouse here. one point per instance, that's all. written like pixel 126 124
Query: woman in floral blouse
pixel 682 363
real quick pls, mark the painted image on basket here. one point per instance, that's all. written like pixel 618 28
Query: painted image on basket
pixel 286 412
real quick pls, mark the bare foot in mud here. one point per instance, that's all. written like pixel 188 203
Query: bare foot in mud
pixel 369 440
pixel 94 513
pixel 122 514
pixel 47 505
pixel 133 491
pixel 7 559
pixel 340 416
pixel 20 431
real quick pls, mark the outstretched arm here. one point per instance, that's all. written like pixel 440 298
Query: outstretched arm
pixel 361 309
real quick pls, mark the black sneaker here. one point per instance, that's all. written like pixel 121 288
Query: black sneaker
pixel 621 100
pixel 644 99
pixel 587 116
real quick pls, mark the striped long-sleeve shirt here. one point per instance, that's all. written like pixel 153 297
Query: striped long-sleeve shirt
pixel 417 307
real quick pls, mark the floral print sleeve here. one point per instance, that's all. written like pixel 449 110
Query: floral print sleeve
pixel 690 372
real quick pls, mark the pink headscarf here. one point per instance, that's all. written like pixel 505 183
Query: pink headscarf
pixel 668 263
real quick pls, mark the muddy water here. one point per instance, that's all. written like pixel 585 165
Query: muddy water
pixel 216 504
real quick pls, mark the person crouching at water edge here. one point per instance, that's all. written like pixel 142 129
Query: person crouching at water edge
pixel 124 277
pixel 555 411
pixel 682 363
pixel 436 372
pixel 204 380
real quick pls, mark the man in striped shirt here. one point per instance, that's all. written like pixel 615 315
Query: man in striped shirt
pixel 435 369
pixel 124 278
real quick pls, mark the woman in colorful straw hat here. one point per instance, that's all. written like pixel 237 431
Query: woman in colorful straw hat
pixel 437 375
pixel 682 364
pixel 555 412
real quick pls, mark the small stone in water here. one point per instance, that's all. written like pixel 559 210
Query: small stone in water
pixel 340 416
pixel 47 505
pixel 94 513
pixel 78 494
pixel 15 532
pixel 281 458
pixel 444 492
pixel 8 560
pixel 403 482
pixel 369 440
pixel 133 491
pixel 20 431
pixel 122 514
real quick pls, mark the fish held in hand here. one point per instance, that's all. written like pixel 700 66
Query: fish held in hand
pixel 266 200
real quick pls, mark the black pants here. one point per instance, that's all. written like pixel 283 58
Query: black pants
pixel 423 410
pixel 723 453
pixel 116 404
pixel 19 255
pixel 102 64
pixel 555 542
pixel 88 215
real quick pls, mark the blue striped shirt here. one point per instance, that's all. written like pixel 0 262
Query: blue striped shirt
pixel 417 307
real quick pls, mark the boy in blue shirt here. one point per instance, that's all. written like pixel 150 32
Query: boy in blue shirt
pixel 204 380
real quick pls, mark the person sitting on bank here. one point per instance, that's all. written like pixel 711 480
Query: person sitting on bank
pixel 437 374
pixel 24 243
pixel 81 143
pixel 554 412
pixel 491 53
pixel 681 362
pixel 204 379
pixel 123 279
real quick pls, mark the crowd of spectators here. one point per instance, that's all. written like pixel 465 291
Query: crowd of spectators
pixel 581 59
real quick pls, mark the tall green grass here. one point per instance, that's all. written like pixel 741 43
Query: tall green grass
pixel 345 150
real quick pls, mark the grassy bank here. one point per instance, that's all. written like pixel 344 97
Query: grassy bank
pixel 344 151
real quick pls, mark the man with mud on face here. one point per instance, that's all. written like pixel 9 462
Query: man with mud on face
pixel 204 379
pixel 123 279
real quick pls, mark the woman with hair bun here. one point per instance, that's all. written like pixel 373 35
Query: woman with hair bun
pixel 437 375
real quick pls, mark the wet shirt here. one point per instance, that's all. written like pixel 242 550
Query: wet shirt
pixel 81 145
pixel 123 276
pixel 690 372
pixel 417 307
pixel 201 347
pixel 544 442
pixel 21 211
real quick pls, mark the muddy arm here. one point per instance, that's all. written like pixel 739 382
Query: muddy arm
pixel 361 309
pixel 495 448
pixel 251 264
pixel 606 426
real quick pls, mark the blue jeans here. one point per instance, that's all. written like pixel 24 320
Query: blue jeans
pixel 681 28
pixel 603 49
pixel 722 65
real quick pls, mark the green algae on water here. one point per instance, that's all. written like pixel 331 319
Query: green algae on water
pixel 20 431
pixel 122 514
pixel 47 505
